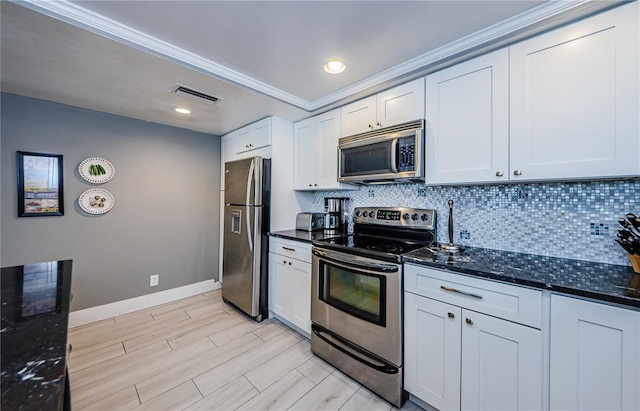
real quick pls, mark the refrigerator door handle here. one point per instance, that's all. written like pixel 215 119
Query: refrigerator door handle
pixel 252 170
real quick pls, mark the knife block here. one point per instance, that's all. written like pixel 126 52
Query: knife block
pixel 635 262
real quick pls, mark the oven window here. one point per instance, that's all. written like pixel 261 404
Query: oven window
pixel 362 295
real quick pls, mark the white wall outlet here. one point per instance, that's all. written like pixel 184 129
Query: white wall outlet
pixel 153 280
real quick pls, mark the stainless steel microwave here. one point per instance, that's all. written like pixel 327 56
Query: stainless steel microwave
pixel 388 155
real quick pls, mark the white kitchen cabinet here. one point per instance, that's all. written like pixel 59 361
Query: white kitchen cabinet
pixel 559 106
pixel 228 152
pixel 467 121
pixel 315 160
pixel 290 282
pixel 574 100
pixel 463 349
pixel 254 136
pixel 395 106
pixel 595 356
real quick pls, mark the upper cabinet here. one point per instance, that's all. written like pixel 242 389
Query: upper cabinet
pixel 467 121
pixel 395 106
pixel 254 136
pixel 574 100
pixel 315 159
pixel 559 106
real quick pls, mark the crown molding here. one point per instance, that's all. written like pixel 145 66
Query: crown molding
pixel 98 24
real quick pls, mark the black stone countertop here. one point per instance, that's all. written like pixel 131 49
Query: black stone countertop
pixel 605 282
pixel 300 235
pixel 35 316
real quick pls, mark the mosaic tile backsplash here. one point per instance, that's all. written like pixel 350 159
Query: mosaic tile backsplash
pixel 567 220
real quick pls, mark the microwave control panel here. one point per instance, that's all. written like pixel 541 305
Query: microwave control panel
pixel 406 154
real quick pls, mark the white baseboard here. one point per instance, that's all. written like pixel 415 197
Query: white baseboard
pixel 102 312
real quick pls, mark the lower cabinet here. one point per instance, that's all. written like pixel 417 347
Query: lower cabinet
pixel 290 282
pixel 457 358
pixel 595 356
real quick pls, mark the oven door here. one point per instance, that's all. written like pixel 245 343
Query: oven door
pixel 358 299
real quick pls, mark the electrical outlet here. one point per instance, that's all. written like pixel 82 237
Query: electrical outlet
pixel 154 280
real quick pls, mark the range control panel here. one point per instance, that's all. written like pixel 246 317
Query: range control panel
pixel 418 218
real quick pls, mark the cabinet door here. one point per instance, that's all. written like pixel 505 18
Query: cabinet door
pixel 595 356
pixel 432 351
pixel 227 153
pixel 325 153
pixel 280 296
pixel 574 100
pixel 303 149
pixel 501 364
pixel 260 133
pixel 467 114
pixel 400 104
pixel 358 117
pixel 300 287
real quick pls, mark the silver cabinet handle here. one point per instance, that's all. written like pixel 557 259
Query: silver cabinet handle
pixel 499 173
pixel 288 249
pixel 469 321
pixel 517 172
pixel 454 290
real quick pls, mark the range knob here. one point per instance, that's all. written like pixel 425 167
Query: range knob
pixel 406 216
pixel 424 217
pixel 414 216
pixel 357 213
pixel 371 214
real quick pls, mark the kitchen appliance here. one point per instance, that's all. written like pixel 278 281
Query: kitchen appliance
pixel 356 297
pixel 387 155
pixel 335 220
pixel 246 224
pixel 310 221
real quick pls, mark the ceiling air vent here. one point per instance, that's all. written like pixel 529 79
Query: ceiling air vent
pixel 183 91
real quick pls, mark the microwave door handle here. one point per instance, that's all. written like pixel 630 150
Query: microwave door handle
pixel 394 155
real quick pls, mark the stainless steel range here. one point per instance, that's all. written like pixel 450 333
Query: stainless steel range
pixel 356 300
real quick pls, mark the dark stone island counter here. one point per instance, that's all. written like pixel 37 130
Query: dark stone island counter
pixel 35 317
pixel 599 281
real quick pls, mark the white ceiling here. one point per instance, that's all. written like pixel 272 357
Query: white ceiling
pixel 261 57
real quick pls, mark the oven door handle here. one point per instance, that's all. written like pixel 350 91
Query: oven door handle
pixel 351 262
pixel 354 351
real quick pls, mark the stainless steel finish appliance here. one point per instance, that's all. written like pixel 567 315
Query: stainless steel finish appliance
pixel 388 155
pixel 356 300
pixel 335 221
pixel 246 224
pixel 309 221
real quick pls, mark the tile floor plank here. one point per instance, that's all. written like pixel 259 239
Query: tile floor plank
pixel 192 367
pixel 281 394
pixel 200 353
pixel 331 394
pixel 228 397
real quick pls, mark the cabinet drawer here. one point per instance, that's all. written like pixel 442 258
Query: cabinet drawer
pixel 518 304
pixel 290 248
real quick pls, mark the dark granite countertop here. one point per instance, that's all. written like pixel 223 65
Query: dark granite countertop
pixel 605 282
pixel 300 235
pixel 35 316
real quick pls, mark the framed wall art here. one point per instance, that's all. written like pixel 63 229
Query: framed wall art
pixel 40 188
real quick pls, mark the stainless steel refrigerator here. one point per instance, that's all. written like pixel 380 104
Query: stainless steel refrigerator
pixel 247 195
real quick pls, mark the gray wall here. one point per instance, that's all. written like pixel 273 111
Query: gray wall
pixel 166 187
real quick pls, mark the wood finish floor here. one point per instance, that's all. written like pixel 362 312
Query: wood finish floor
pixel 199 354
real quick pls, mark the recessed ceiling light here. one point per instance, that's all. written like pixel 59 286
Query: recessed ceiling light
pixel 334 67
pixel 183 110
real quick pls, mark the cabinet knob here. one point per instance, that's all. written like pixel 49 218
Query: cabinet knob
pixel 469 321
pixel 315 185
pixel 289 262
pixel 517 172
pixel 499 173
pixel 370 126
pixel 379 124
pixel 451 315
